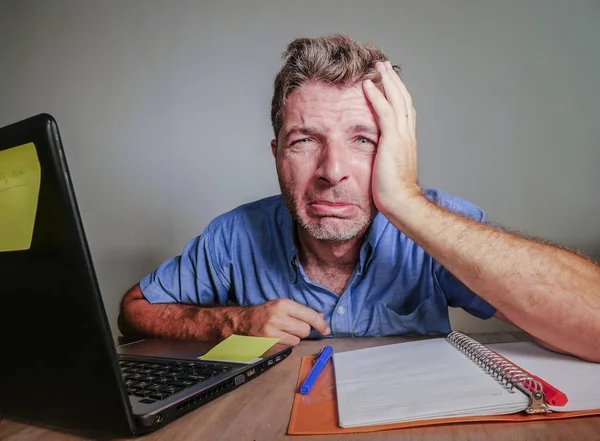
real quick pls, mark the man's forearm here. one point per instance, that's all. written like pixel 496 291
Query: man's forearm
pixel 550 293
pixel 178 321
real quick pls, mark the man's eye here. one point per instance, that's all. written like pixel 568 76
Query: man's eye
pixel 365 142
pixel 301 141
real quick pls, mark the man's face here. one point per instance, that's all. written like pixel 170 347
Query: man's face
pixel 324 155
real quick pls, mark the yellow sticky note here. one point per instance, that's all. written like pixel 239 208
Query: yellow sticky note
pixel 19 190
pixel 240 348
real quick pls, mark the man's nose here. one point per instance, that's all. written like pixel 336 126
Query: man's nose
pixel 334 163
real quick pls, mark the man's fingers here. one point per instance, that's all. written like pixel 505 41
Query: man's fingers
pixel 394 96
pixel 383 109
pixel 310 316
pixel 288 339
pixel 410 110
pixel 399 83
pixel 296 327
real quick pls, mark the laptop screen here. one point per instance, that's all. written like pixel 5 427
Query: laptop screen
pixel 59 362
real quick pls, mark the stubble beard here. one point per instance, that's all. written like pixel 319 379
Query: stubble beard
pixel 321 229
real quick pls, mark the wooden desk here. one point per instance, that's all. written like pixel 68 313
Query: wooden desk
pixel 260 410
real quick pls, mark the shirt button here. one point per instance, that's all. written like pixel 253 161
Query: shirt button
pixel 341 310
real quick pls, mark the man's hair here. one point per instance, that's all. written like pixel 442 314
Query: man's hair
pixel 336 60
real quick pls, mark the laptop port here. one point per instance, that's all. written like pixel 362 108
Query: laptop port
pixel 158 418
pixel 250 373
pixel 270 363
pixel 278 359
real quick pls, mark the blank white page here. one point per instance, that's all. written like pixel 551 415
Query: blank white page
pixel 414 381
pixel 579 379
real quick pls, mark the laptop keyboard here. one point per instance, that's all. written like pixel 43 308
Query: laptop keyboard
pixel 154 381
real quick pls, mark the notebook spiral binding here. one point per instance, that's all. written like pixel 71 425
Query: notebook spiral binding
pixel 506 373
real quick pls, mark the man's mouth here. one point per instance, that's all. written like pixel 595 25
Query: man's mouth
pixel 333 208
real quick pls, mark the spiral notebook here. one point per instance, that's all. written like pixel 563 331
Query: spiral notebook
pixel 444 380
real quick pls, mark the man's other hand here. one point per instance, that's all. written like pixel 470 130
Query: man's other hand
pixel 282 318
pixel 394 178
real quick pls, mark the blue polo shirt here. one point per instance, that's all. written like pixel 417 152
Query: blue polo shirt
pixel 248 256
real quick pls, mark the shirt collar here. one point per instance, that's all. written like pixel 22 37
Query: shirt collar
pixel 289 240
pixel 373 235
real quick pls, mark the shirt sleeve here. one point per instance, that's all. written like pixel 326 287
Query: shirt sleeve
pixel 457 294
pixel 196 277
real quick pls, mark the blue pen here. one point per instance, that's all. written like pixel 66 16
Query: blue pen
pixel 320 363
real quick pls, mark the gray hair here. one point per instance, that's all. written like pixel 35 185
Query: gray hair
pixel 337 60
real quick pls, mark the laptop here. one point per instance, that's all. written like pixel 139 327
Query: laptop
pixel 59 365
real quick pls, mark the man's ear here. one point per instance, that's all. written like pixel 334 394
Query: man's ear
pixel 274 147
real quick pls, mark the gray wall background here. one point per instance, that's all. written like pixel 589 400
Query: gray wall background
pixel 164 109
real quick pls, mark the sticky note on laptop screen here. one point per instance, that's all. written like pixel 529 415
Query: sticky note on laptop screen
pixel 19 190
pixel 240 349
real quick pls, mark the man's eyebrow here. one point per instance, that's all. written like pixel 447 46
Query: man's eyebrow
pixel 296 130
pixel 367 129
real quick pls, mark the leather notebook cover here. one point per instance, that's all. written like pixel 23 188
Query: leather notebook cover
pixel 316 413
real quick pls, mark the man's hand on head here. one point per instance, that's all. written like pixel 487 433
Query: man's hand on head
pixel 282 318
pixel 394 178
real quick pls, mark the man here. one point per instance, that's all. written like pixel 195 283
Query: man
pixel 354 246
